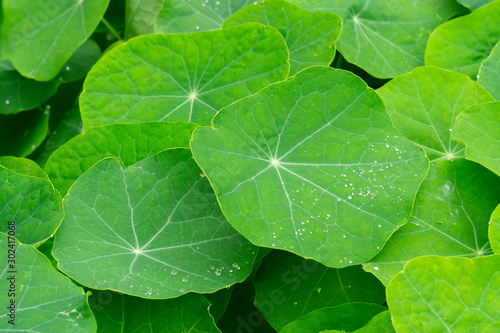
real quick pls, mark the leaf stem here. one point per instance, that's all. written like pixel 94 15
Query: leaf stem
pixel 111 29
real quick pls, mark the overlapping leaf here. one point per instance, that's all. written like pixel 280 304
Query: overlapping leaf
pixel 424 103
pixel 478 128
pixel 182 77
pixel 304 166
pixel 48 33
pixel 450 218
pixel 45 300
pixel 129 143
pixel 436 294
pixel 494 230
pixel 474 4
pixel 489 72
pixel 381 322
pixel 141 16
pixel 22 166
pixel 153 230
pixel 310 36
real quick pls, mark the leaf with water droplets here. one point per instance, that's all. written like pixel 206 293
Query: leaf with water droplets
pixel 182 77
pixel 303 166
pixel 152 230
pixel 45 300
pixel 288 287
pixel 436 294
pixel 494 230
pixel 424 103
pixel 450 218
pixel 489 72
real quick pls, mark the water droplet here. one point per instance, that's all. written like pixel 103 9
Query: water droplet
pixel 185 279
pixel 375 268
pixel 173 272
pixel 7 102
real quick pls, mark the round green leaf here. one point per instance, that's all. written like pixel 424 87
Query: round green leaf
pixel 140 16
pixel 450 218
pixel 381 322
pixel 182 77
pixel 489 72
pixel 153 230
pixel 474 4
pixel 303 165
pixel 460 45
pixel 117 313
pixel 32 203
pixel 436 294
pixel 23 166
pixel 192 16
pixel 45 300
pixel 494 230
pixel 38 38
pixel 128 143
pixel 346 317
pixel 310 36
pixel 288 287
pixel 424 103
pixel 478 128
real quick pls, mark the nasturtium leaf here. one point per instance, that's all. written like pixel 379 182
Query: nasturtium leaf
pixel 385 38
pixel 45 300
pixel 289 287
pixel 310 36
pixel 303 166
pixel 182 77
pixel 19 93
pixel 424 103
pixel 152 230
pixel 436 294
pixel 32 203
pixel 140 16
pixel 116 313
pixel 23 166
pixel 450 218
pixel 473 4
pixel 39 37
pixel 489 72
pixel 129 143
pixel 478 128
pixel 219 302
pixel 380 323
pixel 192 16
pixel 346 317
pixel 460 45
pixel 494 230
pixel 493 328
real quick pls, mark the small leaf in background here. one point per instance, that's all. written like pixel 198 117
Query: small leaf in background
pixel 219 302
pixel 289 287
pixel 460 45
pixel 153 230
pixel 303 166
pixel 310 36
pixel 346 318
pixel 424 103
pixel 192 16
pixel 494 230
pixel 380 323
pixel 436 294
pixel 478 128
pixel 48 33
pixel 140 16
pixel 23 166
pixel 182 77
pixel 489 72
pixel 474 4
pixel 128 143
pixel 32 203
pixel 46 301
pixel 116 313
pixel 450 218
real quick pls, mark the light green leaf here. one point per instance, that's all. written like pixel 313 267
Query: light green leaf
pixel 128 143
pixel 380 323
pixel 424 103
pixel 489 72
pixel 116 313
pixel 153 230
pixel 346 317
pixel 48 33
pixel 181 77
pixel 303 166
pixel 494 230
pixel 140 16
pixel 23 166
pixel 385 38
pixel 474 4
pixel 192 16
pixel 450 218
pixel 460 45
pixel 493 328
pixel 436 294
pixel 310 36
pixel 45 300
pixel 32 203
pixel 478 128
pixel 288 287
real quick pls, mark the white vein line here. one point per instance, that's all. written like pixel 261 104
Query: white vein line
pixel 187 245
pixel 430 121
pixel 131 211
pixel 175 109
